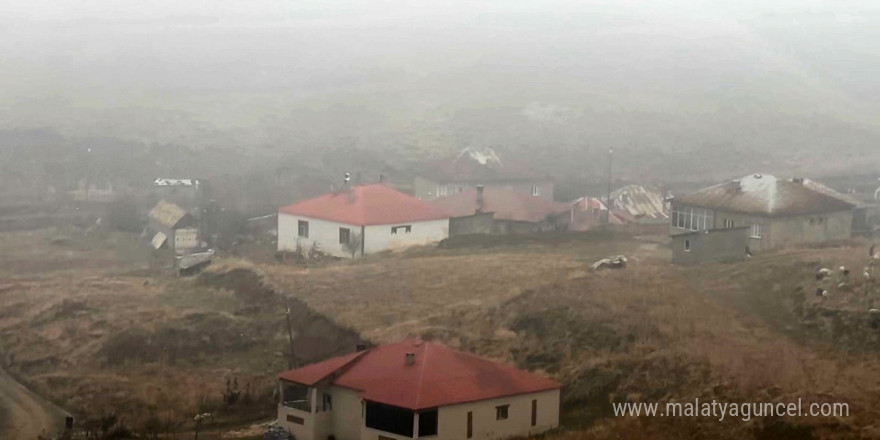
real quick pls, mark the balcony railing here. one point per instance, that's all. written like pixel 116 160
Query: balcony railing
pixel 302 405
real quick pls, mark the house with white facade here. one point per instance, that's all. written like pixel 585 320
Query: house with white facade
pixel 415 389
pixel 360 220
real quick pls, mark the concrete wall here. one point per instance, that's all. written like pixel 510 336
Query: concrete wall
pixel 347 413
pixel 380 238
pixel 324 233
pixel 304 431
pixel 452 420
pixel 714 245
pixel 777 232
pixel 427 189
pixel 376 238
pixel 345 420
pixel 483 223
pixel 810 229
pixel 318 423
pixel 185 239
pixel 755 243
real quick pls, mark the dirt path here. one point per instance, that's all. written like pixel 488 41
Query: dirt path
pixel 25 415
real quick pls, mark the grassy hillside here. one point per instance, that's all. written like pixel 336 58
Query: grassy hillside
pixel 682 90
pixel 97 335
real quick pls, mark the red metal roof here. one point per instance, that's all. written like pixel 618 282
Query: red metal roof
pixel 375 204
pixel 314 373
pixel 506 204
pixel 440 376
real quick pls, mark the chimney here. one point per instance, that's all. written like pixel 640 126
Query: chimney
pixel 361 347
pixel 480 204
pixel 381 178
pixel 410 358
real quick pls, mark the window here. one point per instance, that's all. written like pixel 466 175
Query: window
pixel 303 229
pixel 694 219
pixel 470 424
pixel 294 419
pixel 405 229
pixel 536 190
pixel 728 223
pixel 427 423
pixel 391 419
pixel 687 245
pixel 344 235
pixel 327 403
pixel 295 396
pixel 534 412
pixel 756 231
pixel 501 412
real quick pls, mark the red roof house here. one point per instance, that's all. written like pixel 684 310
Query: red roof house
pixel 375 204
pixel 424 384
pixel 360 220
pixel 511 210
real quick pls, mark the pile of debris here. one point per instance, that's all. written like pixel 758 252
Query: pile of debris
pixel 275 432
pixel 616 262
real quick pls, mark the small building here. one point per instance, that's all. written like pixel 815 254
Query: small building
pixel 415 389
pixel 92 192
pixel 640 204
pixel 778 212
pixel 589 213
pixel 711 245
pixel 360 220
pixel 472 167
pixel 496 210
pixel 170 226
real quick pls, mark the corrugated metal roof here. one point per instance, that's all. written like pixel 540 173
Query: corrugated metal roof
pixel 763 194
pixel 640 202
pixel 158 240
pixel 375 204
pixel 167 214
pixel 505 204
pixel 439 376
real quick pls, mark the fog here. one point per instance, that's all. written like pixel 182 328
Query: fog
pixel 721 87
pixel 278 219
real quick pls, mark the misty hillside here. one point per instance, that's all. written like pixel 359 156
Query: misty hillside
pixel 681 90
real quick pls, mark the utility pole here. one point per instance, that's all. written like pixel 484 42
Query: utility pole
pixel 290 362
pixel 607 219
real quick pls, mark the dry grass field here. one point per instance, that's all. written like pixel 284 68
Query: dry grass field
pixel 85 322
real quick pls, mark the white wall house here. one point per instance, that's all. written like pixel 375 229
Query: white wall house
pixel 358 221
pixel 415 389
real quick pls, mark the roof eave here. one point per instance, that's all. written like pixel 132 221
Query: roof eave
pixel 417 407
